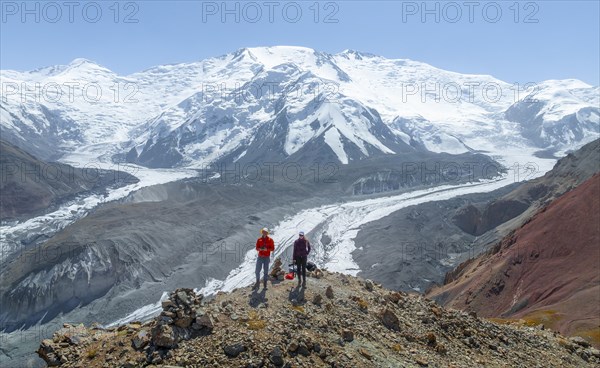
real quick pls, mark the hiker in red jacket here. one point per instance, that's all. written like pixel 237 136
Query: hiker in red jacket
pixel 264 245
pixel 301 251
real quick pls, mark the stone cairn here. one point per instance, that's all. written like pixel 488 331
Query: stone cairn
pixel 183 317
pixel 277 272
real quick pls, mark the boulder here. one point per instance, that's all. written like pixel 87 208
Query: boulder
pixel 234 350
pixel 276 357
pixel 347 335
pixel 329 292
pixel 141 339
pixel 183 298
pixel 205 321
pixel 184 321
pixel 163 336
pixel 390 320
pixel 167 303
pixel 317 299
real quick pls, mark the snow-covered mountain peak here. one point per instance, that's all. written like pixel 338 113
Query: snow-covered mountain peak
pixel 563 84
pixel 356 104
pixel 356 55
pixel 78 66
pixel 48 71
pixel 561 97
pixel 273 54
pixel 558 114
pixel 81 61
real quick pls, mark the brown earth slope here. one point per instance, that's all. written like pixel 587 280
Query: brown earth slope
pixel 547 271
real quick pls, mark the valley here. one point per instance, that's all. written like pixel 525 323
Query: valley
pixel 397 187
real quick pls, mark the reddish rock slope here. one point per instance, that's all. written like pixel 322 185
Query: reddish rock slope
pixel 547 271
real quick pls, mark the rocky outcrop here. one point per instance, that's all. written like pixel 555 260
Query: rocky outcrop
pixel 475 222
pixel 359 324
pixel 183 317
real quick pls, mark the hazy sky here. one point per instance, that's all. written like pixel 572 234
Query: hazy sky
pixel 525 41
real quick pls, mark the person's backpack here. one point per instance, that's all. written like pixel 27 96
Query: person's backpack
pixel 311 266
pixel 292 272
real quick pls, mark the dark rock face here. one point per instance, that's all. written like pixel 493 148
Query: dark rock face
pixel 30 186
pixel 468 219
pixel 472 221
pixel 162 154
pixel 498 212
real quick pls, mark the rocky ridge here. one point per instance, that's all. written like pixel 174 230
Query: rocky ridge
pixel 337 321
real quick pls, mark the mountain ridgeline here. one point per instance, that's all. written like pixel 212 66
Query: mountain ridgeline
pixel 290 104
pixel 338 321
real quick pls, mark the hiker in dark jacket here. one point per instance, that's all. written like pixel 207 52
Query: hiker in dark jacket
pixel 301 251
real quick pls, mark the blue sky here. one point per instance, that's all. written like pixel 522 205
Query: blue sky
pixel 527 42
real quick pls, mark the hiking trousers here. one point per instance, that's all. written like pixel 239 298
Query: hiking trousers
pixel 301 268
pixel 262 262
